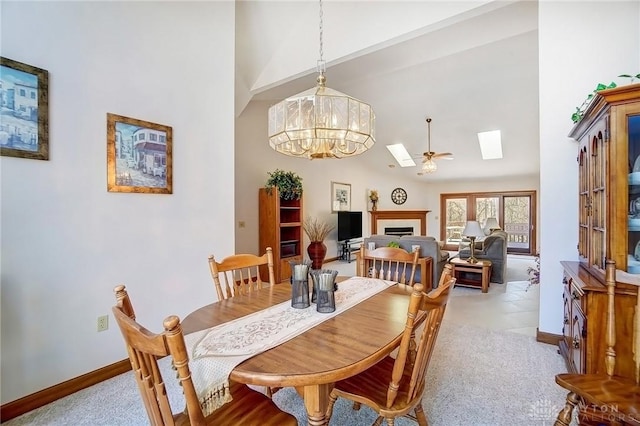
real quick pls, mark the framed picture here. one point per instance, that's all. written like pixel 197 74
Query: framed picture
pixel 139 156
pixel 340 196
pixel 24 118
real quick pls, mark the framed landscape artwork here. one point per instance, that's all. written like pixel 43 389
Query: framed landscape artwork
pixel 340 197
pixel 139 156
pixel 24 110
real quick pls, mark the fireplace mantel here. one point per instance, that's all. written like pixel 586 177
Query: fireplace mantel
pixel 420 215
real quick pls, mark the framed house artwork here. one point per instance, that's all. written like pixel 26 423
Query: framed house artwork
pixel 139 156
pixel 340 197
pixel 24 110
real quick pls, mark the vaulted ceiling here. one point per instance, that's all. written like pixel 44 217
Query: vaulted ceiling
pixel 475 71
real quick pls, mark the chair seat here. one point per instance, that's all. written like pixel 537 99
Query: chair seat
pixel 249 407
pixel 620 394
pixel 374 383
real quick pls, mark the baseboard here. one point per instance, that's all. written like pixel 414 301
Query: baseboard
pixel 549 338
pixel 36 400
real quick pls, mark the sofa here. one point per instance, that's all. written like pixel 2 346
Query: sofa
pixel 429 247
pixel 494 248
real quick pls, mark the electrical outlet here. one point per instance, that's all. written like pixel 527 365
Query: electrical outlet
pixel 103 323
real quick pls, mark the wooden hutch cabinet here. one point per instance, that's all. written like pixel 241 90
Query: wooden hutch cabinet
pixel 280 223
pixel 608 228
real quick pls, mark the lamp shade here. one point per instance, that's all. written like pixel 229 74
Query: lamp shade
pixel 473 229
pixel 490 225
pixel 429 166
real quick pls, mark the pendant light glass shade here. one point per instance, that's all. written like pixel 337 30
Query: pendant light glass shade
pixel 321 122
pixel 429 166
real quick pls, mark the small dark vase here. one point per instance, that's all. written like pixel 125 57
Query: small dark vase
pixel 316 251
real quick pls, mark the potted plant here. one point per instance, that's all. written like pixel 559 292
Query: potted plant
pixel 289 184
pixel 534 272
pixel 317 231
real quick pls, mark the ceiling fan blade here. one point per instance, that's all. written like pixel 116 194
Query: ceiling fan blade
pixel 443 154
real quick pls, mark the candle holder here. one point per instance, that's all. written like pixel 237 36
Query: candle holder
pixel 324 287
pixel 300 294
pixel 300 284
pixel 299 271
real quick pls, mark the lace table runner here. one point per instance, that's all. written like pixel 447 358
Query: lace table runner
pixel 216 351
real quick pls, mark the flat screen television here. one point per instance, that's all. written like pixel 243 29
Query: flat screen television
pixel 349 225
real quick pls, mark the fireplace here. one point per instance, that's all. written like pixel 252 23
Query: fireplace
pixel 398 231
pixel 416 219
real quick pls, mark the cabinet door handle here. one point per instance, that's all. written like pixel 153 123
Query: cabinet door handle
pixel 576 343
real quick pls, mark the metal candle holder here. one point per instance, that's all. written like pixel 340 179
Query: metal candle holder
pixel 300 284
pixel 323 289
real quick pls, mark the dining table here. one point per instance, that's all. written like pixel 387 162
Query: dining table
pixel 337 348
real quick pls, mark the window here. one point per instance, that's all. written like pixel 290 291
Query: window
pixel 153 137
pixel 140 136
pixel 163 139
pixel 515 211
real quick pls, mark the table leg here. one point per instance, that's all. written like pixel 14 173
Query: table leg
pixel 316 400
pixel 485 278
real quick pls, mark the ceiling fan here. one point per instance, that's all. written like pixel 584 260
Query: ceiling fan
pixel 428 163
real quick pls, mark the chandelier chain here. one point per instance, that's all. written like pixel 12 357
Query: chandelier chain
pixel 321 63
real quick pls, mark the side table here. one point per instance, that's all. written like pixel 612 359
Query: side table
pixel 464 272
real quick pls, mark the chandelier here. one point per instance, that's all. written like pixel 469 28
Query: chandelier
pixel 321 122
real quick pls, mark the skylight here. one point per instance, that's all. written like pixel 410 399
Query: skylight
pixel 401 155
pixel 490 145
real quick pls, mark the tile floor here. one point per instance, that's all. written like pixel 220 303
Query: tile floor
pixel 512 306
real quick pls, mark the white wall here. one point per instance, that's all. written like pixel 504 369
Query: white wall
pixel 581 44
pixel 66 242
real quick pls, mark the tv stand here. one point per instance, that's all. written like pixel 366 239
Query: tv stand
pixel 346 249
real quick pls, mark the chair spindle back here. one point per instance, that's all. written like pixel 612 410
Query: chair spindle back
pixel 241 273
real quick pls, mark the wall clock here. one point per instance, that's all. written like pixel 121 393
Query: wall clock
pixel 399 196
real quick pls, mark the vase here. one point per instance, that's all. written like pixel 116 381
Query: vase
pixel 316 251
pixel 374 205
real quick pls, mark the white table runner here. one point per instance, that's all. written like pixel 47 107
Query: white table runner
pixel 216 351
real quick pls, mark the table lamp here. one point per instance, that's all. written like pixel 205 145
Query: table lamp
pixel 472 230
pixel 490 225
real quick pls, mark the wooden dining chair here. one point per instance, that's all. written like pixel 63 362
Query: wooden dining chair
pixel 388 263
pixel 241 273
pixel 395 387
pixel 446 275
pixel 248 407
pixel 607 398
